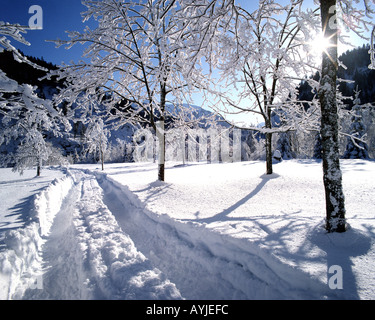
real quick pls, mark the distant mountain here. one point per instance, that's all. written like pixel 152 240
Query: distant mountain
pixel 24 73
pixel 356 62
pixel 71 143
pixel 194 112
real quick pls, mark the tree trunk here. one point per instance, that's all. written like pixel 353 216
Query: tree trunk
pixel 269 153
pixel 161 174
pixel 161 137
pixel 332 176
pixel 268 122
pixel 160 130
pixel 102 158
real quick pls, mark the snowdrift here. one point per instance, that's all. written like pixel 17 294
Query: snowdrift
pixel 116 269
pixel 228 267
pixel 269 229
pixel 20 263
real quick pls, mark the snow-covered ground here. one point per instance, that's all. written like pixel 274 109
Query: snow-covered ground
pixel 211 231
pixel 17 194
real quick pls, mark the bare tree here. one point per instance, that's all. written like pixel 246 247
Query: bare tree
pixel 97 139
pixel 332 176
pixel 276 59
pixel 356 20
pixel 263 56
pixel 135 55
pixel 8 32
pixel 25 116
pixel 265 78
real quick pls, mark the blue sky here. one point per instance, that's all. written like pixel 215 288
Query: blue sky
pixel 58 16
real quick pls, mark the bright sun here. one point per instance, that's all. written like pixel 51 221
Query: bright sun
pixel 319 45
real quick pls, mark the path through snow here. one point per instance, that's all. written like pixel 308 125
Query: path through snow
pixel 87 256
pixel 205 264
pixel 104 244
pixel 191 265
pixel 93 238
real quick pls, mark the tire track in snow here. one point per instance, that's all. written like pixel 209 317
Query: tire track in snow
pixel 64 275
pixel 104 244
pixel 203 263
pixel 197 272
pixel 88 256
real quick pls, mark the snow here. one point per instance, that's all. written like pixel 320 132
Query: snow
pixel 28 207
pixel 17 194
pixel 6 84
pixel 212 231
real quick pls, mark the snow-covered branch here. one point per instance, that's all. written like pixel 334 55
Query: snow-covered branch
pixel 261 56
pixel 15 32
pixel 25 116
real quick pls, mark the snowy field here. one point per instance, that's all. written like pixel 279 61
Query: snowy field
pixel 218 231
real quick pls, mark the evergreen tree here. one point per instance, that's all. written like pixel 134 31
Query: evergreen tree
pixel 284 145
pixel 318 146
pixel 97 139
pixel 356 148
